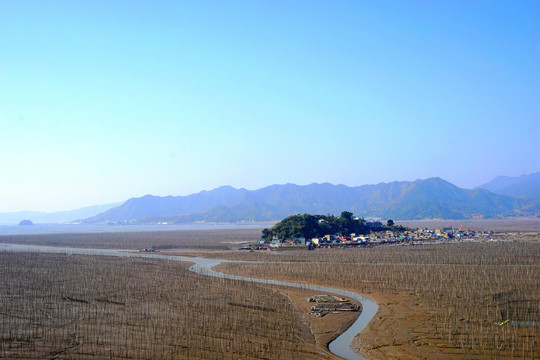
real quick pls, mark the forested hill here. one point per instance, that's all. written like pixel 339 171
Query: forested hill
pixel 310 226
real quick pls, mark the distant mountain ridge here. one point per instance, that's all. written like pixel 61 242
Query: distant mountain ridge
pixel 524 186
pixel 39 217
pixel 420 199
pixel 149 205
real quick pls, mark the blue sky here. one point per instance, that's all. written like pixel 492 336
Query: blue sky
pixel 101 101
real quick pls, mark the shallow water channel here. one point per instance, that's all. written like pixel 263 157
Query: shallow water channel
pixel 341 346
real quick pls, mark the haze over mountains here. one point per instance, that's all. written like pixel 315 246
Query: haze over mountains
pixel 54 217
pixel 401 200
pixel 524 186
pixel 420 199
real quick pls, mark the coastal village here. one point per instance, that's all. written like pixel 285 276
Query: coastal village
pixel 377 236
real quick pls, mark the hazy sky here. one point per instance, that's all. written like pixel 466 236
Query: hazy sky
pixel 101 101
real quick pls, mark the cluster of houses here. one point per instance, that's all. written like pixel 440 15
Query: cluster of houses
pixel 444 233
pixel 375 237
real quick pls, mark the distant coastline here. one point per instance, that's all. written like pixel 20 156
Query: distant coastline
pixel 516 224
pixel 76 228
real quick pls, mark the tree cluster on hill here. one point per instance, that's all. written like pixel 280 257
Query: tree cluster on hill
pixel 310 226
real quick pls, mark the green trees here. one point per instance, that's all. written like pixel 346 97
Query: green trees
pixel 293 227
pixel 309 226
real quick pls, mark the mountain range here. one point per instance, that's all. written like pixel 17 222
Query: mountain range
pixel 54 217
pixel 421 199
pixel 524 186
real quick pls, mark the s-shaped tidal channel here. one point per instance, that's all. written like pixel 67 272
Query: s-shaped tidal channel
pixel 340 346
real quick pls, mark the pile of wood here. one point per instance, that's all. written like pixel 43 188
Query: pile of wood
pixel 330 303
pixel 326 298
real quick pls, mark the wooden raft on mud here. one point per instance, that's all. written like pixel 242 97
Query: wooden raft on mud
pixel 330 303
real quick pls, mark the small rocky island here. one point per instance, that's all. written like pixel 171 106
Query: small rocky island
pixel 26 223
